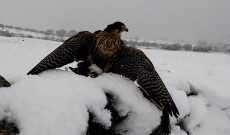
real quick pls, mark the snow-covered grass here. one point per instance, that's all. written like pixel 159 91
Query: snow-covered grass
pixel 57 102
pixel 158 41
pixel 30 34
pixel 15 31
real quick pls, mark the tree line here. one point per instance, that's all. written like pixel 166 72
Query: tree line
pixel 200 46
pixel 59 33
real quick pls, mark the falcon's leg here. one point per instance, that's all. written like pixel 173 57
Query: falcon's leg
pixel 96 69
pixel 107 68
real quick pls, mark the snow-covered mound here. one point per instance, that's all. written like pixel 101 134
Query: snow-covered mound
pixel 57 102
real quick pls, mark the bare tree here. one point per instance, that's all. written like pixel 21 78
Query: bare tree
pixel 187 47
pixel 72 33
pixel 61 33
pixel 202 43
pixel 50 32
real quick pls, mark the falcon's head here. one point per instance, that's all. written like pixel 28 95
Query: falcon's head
pixel 116 28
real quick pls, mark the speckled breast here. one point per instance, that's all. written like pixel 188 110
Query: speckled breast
pixel 107 47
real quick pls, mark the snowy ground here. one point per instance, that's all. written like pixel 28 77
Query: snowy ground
pixel 57 102
pixel 18 32
pixel 24 34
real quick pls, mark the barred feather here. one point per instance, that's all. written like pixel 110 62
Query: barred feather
pixel 137 67
pixel 75 48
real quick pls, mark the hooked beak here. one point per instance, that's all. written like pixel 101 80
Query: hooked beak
pixel 126 29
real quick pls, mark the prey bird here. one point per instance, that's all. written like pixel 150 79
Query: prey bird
pixel 106 50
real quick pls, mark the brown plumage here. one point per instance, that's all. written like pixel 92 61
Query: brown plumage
pixel 106 49
pixel 106 45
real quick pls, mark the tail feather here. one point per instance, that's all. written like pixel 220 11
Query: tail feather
pixel 164 127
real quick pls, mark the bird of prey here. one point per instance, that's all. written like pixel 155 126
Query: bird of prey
pixel 99 47
pixel 106 50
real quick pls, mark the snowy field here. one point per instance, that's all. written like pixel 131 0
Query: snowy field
pixel 57 102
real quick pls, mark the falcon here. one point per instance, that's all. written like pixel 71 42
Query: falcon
pixel 106 50
pixel 98 48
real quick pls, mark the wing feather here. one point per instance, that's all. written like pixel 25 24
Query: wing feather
pixel 75 48
pixel 135 65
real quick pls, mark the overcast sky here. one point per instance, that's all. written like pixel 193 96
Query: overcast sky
pixel 189 20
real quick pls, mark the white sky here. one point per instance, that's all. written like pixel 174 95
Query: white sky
pixel 189 20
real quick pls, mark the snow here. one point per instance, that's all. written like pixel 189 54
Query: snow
pixel 160 41
pixel 26 33
pixel 57 102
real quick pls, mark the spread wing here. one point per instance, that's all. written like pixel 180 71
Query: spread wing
pixel 135 65
pixel 75 48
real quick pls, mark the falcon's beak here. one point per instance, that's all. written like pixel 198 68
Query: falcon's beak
pixel 126 29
